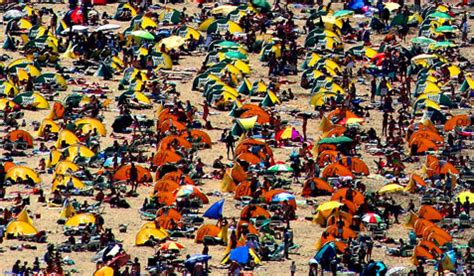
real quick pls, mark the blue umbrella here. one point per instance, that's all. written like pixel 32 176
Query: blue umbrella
pixel 197 258
pixel 240 255
pixel 326 254
pixel 109 162
pixel 281 197
pixel 215 210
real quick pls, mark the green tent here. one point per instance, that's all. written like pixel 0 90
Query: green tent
pixel 263 5
pixel 8 44
pixel 104 71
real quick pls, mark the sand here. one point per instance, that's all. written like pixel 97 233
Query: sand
pixel 305 232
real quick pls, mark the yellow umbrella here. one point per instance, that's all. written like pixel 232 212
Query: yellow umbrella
pixel 466 194
pixel 145 234
pixel 84 218
pixel 206 23
pixel 89 124
pixel 329 205
pixel 105 271
pixel 391 6
pixel 391 188
pixel 223 10
pixel 172 42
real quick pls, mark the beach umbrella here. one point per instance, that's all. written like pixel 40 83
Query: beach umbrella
pixel 104 271
pixel 20 135
pixel 289 133
pixel 171 245
pixel 215 210
pixel 170 15
pixel 447 261
pixel 465 195
pixel 197 258
pixel 7 88
pixel 12 14
pixel 64 167
pixel 223 10
pixel 282 197
pixel 188 190
pixel 343 13
pixel 391 188
pixel 446 29
pixel 280 168
pixel 146 234
pixel 143 34
pixel 440 15
pixel 172 42
pixel 422 40
pixel 240 255
pixel 372 218
pixel 335 140
pixel 326 254
pixel 329 206
pixel 144 22
pixel 123 174
pixel 54 79
pixel 263 5
pixel 224 26
pixel 89 124
pixel 75 28
pixel 442 44
pixel 187 32
pixel 391 6
pixel 107 27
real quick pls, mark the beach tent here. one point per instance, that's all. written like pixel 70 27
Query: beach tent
pixel 122 9
pixel 144 236
pixel 74 151
pixel 188 190
pixel 429 213
pixel 165 198
pixel 53 127
pixel 66 138
pixel 166 186
pixel 241 255
pixel 20 136
pixel 243 189
pixel 89 124
pixel 123 174
pixel 21 174
pixel 414 182
pixel 355 196
pixel 80 219
pixel 326 254
pixel 105 270
pixel 253 211
pixel 316 185
pixel 61 180
pixel 20 228
pixel 67 212
pixel 336 170
pixel 457 121
pixel 31 100
pixel 207 230
pixel 447 261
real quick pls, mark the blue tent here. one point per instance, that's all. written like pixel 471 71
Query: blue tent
pixel 197 258
pixel 375 268
pixel 215 210
pixel 326 254
pixel 240 255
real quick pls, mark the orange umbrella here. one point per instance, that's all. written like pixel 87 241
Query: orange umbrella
pixel 171 245
pixel 237 173
pixel 336 170
pixel 20 135
pixel 163 157
pixel 271 193
pixel 166 222
pixel 319 184
pixel 459 120
pixel 262 116
pixel 123 174
pixel 336 130
pixel 346 232
pixel 8 165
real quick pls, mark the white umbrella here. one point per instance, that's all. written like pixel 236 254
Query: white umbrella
pixel 107 27
pixel 395 271
pixel 12 14
pixel 75 28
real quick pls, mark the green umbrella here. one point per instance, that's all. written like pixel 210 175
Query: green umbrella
pixel 343 13
pixel 446 29
pixel 443 44
pixel 143 34
pixel 440 15
pixel 422 40
pixel 262 4
pixel 280 168
pixel 233 55
pixel 228 44
pixel 335 140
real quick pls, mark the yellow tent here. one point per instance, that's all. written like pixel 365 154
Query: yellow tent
pixel 65 166
pixel 67 212
pixel 54 128
pixel 54 158
pixel 145 234
pixel 172 42
pixel 391 188
pixel 18 173
pixel 462 196
pixel 78 150
pixel 89 124
pixel 252 254
pixel 66 138
pixel 64 180
pixel 76 220
pixel 20 228
pixel 104 271
pixel 23 216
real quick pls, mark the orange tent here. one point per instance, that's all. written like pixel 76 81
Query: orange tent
pixel 346 217
pixel 421 252
pixel 271 193
pixel 207 230
pixel 249 158
pixel 435 166
pixel 167 142
pixel 459 120
pixel 423 145
pixel 123 174
pixel 346 232
pixel 253 211
pixel 429 213
pixel 322 147
pixel 251 228
pixel 8 165
pixel 326 157
pixel 166 186
pixel 430 246
pixel 435 233
pixel 415 180
pixel 356 165
pixel 176 177
pixel 243 189
pixel 336 170
pixel 57 111
pixel 163 157
pixel 262 116
pixel 165 125
pixel 357 197
pixel 20 135
pixel 169 212
pixel 228 184
pixel 420 225
pixel 167 199
pixel 343 116
pixel 247 107
pixel 237 173
pixel 198 134
pixel 427 134
pixel 166 222
pixel 319 185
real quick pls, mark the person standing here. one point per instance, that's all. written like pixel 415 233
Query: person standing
pixel 293 268
pixel 229 144
pixel 133 177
